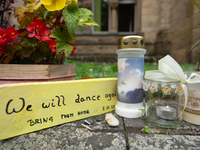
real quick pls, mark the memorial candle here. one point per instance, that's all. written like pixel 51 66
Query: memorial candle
pixel 166 112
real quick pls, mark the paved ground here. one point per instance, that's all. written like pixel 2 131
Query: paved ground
pixel 127 135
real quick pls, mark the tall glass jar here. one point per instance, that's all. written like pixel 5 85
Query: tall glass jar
pixel 130 76
pixel 164 103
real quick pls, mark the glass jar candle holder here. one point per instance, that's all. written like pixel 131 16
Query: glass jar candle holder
pixel 164 103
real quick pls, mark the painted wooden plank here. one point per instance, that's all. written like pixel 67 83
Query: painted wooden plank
pixel 27 107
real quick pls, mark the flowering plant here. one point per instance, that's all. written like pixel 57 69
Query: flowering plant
pixel 46 33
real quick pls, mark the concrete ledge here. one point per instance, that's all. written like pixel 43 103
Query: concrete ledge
pixel 127 135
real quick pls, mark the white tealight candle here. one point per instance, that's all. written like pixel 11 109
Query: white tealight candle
pixel 166 112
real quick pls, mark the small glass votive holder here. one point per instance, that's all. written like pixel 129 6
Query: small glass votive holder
pixel 163 103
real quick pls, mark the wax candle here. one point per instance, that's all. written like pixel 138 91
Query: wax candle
pixel 166 112
pixel 131 50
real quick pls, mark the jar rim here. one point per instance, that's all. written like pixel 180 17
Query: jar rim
pixel 176 82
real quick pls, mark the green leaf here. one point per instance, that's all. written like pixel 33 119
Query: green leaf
pixel 18 47
pixel 71 15
pixel 38 57
pixel 143 110
pixel 39 18
pixel 44 48
pixel 86 18
pixel 88 22
pixel 197 69
pixel 63 37
pixel 58 57
pixel 27 51
pixel 167 131
pixel 68 38
pixel 51 14
pixel 193 45
pixel 85 13
pixel 31 41
pixel 114 68
pixel 45 14
pixel 146 129
pixel 29 1
pixel 64 46
pixel 131 140
pixel 195 3
pixel 56 33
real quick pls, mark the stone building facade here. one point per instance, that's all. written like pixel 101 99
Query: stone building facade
pixel 158 21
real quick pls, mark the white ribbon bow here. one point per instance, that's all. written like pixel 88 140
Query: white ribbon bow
pixel 170 71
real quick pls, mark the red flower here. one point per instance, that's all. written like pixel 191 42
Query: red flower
pixel 37 24
pixel 4 38
pixel 12 32
pixel 1 50
pixel 1 33
pixel 39 30
pixel 45 33
pixel 74 48
pixel 52 45
pixel 30 29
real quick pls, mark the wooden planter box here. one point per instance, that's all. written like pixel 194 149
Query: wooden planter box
pixel 15 73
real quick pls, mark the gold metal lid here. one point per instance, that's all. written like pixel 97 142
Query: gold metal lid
pixel 131 42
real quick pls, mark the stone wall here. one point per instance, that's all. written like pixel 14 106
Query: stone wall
pixel 96 48
pixel 180 21
pixel 167 20
pixel 196 32
pixel 155 22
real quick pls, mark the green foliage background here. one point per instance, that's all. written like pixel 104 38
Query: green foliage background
pixel 103 70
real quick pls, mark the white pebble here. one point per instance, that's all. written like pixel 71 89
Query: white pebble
pixel 111 120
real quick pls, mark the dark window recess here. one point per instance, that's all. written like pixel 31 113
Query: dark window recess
pixel 104 17
pixel 126 17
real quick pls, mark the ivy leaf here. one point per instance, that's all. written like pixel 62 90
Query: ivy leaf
pixel 64 46
pixel 71 15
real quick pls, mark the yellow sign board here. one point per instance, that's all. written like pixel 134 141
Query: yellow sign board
pixel 27 107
